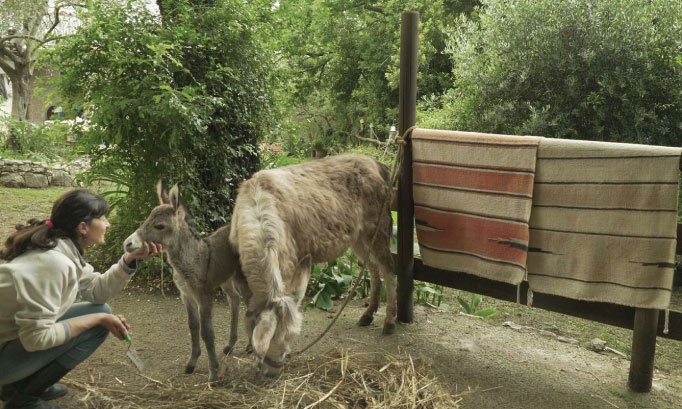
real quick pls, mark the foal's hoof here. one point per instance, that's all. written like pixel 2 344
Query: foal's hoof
pixel 388 329
pixel 365 320
pixel 227 349
pixel 189 369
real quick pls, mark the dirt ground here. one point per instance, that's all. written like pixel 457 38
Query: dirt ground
pixel 485 363
pixel 502 367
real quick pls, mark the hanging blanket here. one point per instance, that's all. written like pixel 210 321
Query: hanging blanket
pixel 603 223
pixel 472 201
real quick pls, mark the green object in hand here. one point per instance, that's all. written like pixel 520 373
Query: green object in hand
pixel 132 354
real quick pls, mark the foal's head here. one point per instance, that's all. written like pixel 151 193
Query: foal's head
pixel 164 223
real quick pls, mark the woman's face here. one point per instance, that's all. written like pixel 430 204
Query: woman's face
pixel 94 231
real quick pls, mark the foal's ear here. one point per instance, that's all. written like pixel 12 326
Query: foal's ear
pixel 174 196
pixel 161 191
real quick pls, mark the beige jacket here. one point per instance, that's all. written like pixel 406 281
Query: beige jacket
pixel 39 286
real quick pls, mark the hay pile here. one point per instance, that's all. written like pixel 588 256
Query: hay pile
pixel 337 379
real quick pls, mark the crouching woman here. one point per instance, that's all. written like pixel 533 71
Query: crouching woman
pixel 44 332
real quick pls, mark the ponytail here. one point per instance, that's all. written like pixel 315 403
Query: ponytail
pixel 34 234
pixel 72 208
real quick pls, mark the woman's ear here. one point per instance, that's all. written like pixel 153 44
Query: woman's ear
pixel 82 228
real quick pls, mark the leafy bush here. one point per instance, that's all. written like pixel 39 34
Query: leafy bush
pixel 599 70
pixel 331 280
pixel 186 100
pixel 48 142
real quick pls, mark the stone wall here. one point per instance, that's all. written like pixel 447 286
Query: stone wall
pixel 23 173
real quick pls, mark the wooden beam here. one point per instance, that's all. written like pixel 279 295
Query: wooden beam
pixel 643 350
pixel 605 313
pixel 409 37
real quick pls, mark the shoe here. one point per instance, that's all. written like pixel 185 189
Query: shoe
pixel 28 402
pixel 53 392
pixel 27 392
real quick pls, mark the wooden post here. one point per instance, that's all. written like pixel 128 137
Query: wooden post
pixel 643 350
pixel 407 118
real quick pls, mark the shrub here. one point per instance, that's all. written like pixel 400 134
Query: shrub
pixel 598 70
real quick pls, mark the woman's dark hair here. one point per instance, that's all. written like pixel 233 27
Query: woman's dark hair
pixel 72 208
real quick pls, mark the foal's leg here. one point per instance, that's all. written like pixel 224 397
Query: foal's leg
pixel 207 334
pixel 252 307
pixel 193 321
pixel 233 298
pixel 235 291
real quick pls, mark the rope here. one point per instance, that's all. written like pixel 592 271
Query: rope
pixel 397 167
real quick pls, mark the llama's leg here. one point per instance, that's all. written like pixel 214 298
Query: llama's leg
pixel 301 279
pixel 362 252
pixel 388 274
pixel 193 321
pixel 207 334
pixel 376 252
pixel 374 296
pixel 382 263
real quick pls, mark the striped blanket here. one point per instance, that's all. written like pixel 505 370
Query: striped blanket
pixel 472 201
pixel 604 222
pixel 584 220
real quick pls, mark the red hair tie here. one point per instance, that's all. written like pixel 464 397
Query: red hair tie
pixel 49 223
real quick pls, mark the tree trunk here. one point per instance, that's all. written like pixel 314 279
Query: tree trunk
pixel 22 93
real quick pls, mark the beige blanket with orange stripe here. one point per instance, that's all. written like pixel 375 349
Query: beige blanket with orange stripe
pixel 472 201
pixel 604 222
pixel 588 220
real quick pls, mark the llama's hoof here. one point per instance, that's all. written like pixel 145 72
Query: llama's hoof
pixel 389 329
pixel 365 320
pixel 189 369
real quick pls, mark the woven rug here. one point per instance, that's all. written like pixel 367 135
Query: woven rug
pixel 472 201
pixel 604 222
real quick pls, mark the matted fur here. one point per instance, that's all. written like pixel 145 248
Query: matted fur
pixel 285 219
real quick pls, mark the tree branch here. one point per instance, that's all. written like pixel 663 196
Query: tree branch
pixel 374 141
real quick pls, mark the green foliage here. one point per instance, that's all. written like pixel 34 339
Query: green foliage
pixel 269 160
pixel 340 61
pixel 47 142
pixel 187 99
pixel 426 290
pixel 331 281
pixel 471 306
pixel 598 70
pixel 387 156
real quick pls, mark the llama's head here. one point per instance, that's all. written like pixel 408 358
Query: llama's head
pixel 274 329
pixel 164 221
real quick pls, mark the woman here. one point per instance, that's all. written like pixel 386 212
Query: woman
pixel 44 332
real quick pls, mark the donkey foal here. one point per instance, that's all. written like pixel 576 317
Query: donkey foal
pixel 200 265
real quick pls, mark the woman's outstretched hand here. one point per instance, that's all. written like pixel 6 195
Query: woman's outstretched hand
pixel 150 249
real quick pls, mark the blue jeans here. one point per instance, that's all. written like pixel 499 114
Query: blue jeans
pixel 16 363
